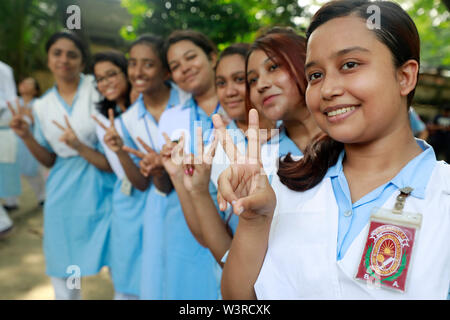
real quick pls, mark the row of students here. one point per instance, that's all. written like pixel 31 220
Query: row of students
pixel 184 228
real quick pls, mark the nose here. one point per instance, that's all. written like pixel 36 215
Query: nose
pixel 331 87
pixel 262 84
pixel 230 90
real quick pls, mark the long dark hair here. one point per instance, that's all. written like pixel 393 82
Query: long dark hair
pixel 399 33
pixel 119 60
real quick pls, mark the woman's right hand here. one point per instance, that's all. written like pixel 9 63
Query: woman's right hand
pixel 172 156
pixel 244 183
pixel 111 138
pixel 18 123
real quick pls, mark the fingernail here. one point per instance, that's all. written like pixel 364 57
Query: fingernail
pixel 240 210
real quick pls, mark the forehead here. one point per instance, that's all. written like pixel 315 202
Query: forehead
pixel 142 51
pixel 338 34
pixel 230 64
pixel 104 66
pixel 64 44
pixel 179 48
pixel 257 57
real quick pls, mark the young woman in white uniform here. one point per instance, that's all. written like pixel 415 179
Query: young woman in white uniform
pixel 110 69
pixel 187 269
pixel 149 76
pixel 320 211
pixel 77 211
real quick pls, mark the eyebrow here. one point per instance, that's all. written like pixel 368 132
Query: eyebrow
pixel 184 54
pixel 269 59
pixel 338 54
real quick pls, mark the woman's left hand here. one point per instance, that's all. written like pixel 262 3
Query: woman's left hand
pixel 68 137
pixel 197 169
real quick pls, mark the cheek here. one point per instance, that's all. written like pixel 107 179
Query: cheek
pixel 221 93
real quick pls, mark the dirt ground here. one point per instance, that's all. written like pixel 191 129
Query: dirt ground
pixel 22 263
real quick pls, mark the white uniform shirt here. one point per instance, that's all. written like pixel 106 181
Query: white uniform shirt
pixel 301 263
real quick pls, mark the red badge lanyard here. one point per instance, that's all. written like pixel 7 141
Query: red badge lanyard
pixel 386 257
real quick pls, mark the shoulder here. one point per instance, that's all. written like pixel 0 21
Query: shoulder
pixel 44 100
pixel 131 112
pixel 172 114
pixel 440 179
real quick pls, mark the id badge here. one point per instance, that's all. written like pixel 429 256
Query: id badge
pixel 387 254
pixel 126 186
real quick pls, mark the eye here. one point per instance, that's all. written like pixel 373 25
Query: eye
pixel 220 83
pixel 314 76
pixel 251 81
pixel 191 57
pixel 273 67
pixel 239 79
pixel 350 65
pixel 149 65
pixel 174 67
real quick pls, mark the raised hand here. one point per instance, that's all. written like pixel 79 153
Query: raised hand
pixel 112 138
pixel 244 183
pixel 172 155
pixel 68 137
pixel 151 162
pixel 19 123
pixel 197 169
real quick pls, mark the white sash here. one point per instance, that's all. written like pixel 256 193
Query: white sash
pixel 50 107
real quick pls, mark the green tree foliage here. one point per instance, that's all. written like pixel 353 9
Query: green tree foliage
pixel 25 26
pixel 432 19
pixel 224 21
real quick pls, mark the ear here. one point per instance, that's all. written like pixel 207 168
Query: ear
pixel 407 76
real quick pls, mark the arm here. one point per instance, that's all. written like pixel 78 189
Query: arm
pixel 213 228
pixel 115 143
pixel 22 129
pixel 197 174
pixel 247 188
pixel 89 154
pixel 172 159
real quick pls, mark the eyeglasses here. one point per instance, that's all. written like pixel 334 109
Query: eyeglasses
pixel 109 76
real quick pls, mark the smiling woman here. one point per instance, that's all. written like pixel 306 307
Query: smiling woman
pixel 75 231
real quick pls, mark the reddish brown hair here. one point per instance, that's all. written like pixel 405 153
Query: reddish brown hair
pixel 399 33
pixel 289 50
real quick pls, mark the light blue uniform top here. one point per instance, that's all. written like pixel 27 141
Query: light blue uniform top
pixel 177 266
pixel 77 213
pixel 126 234
pixel 354 216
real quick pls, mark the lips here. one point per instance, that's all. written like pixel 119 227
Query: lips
pixel 269 99
pixel 339 109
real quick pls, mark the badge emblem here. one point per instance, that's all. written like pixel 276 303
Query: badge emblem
pixel 387 254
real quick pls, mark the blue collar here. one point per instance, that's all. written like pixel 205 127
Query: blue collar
pixel 415 174
pixel 174 100
pixel 68 108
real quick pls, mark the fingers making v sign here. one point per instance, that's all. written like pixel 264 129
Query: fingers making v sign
pixel 69 136
pixel 19 122
pixel 197 169
pixel 111 138
pixel 244 183
pixel 151 163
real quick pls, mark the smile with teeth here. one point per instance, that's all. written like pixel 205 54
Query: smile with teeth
pixel 140 82
pixel 340 111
